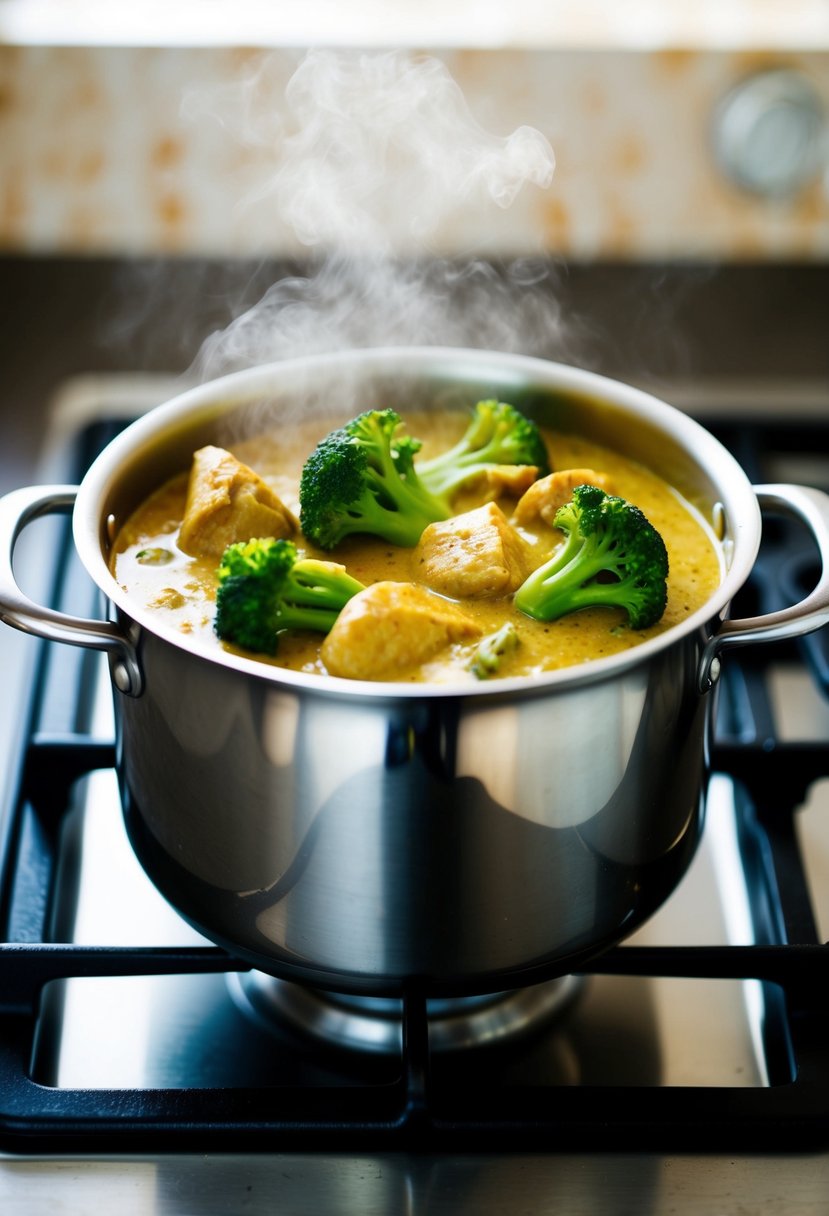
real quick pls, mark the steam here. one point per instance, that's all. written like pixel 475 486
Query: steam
pixel 385 142
pixel 376 156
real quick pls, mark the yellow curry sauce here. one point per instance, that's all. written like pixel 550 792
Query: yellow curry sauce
pixel 183 587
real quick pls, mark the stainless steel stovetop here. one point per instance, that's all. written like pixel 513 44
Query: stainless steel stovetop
pixel 596 1048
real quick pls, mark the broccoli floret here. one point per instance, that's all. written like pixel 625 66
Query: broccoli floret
pixel 489 652
pixel 613 556
pixel 497 434
pixel 265 589
pixel 360 478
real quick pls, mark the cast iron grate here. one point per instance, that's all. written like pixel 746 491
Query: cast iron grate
pixel 414 1111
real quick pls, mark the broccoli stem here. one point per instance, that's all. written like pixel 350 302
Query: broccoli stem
pixel 263 589
pixel 497 434
pixel 491 650
pixel 612 557
pixel 360 478
pixel 313 594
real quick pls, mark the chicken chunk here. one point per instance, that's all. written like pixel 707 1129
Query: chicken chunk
pixel 497 481
pixel 391 627
pixel 544 497
pixel 228 502
pixel 476 555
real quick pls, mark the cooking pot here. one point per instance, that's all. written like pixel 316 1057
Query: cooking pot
pixel 358 836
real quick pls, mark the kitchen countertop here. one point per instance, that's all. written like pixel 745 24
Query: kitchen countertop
pixel 401 1185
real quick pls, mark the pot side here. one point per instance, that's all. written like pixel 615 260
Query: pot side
pixel 362 836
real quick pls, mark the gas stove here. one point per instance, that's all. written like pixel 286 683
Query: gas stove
pixel 125 1036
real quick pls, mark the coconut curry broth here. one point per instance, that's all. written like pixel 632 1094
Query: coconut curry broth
pixel 148 563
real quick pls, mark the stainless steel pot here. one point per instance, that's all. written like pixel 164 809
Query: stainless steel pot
pixel 359 835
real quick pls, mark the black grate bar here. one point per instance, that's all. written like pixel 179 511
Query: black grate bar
pixel 475 1116
pixel 778 774
pixel 55 761
pixel 26 967
pixel 794 967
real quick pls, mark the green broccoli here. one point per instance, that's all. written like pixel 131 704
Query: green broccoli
pixel 360 478
pixel 264 589
pixel 497 434
pixel 613 556
pixel 487 656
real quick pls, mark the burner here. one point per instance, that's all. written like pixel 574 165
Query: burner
pixel 374 1024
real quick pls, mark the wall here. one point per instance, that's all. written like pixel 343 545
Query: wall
pixel 145 150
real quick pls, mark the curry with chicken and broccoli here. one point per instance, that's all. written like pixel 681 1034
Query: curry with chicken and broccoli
pixel 444 548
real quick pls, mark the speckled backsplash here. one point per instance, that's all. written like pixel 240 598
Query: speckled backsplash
pixel 198 151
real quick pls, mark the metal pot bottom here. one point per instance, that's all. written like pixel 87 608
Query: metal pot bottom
pixel 374 1024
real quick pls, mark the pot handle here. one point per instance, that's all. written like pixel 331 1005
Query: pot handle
pixel 812 508
pixel 18 509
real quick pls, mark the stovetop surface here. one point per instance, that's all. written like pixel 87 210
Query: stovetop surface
pixel 703 1033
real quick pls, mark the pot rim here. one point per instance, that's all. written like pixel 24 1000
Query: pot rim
pixel 212 398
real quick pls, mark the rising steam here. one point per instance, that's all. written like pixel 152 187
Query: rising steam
pixel 386 147
pixel 374 155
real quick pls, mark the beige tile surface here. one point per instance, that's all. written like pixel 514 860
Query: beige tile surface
pixel 235 151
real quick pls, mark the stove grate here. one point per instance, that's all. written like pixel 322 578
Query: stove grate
pixel 414 1110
